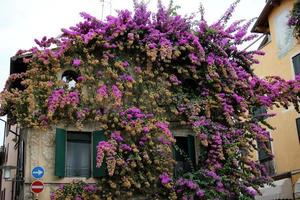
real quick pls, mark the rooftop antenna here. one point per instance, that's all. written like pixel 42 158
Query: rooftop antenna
pixel 103 2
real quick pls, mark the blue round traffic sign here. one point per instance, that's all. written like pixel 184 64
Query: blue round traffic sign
pixel 37 172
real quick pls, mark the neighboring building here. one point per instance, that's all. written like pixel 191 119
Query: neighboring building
pixel 13 146
pixel 282 59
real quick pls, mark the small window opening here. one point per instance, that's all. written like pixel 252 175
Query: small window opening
pixel 70 78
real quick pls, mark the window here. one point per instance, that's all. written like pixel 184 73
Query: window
pixel 296 64
pixel 3 194
pixel 6 153
pixel 265 157
pixel 78 162
pixel 7 129
pixel 75 154
pixel 298 127
pixel 259 113
pixel 184 154
pixel 70 78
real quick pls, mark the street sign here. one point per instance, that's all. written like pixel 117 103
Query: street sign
pixel 37 187
pixel 38 172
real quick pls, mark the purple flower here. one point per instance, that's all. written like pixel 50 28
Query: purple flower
pixel 138 70
pixel 117 93
pixel 90 188
pixel 127 78
pixel 130 36
pixel 102 90
pixel 252 192
pixel 165 178
pixel 61 186
pixel 200 193
pixel 76 62
pixel 78 198
pixel 164 127
pixel 52 195
pixel 126 147
pixel 81 78
pixel 116 135
pixel 146 129
pixel 174 80
pixel 190 184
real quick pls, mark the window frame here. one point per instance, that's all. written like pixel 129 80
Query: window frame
pixel 184 132
pixel 68 133
pixel 73 75
pixel 60 152
pixel 298 128
pixel 292 64
pixel 267 159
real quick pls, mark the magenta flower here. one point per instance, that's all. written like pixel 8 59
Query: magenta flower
pixel 252 192
pixel 76 62
pixel 165 178
pixel 174 80
pixel 116 135
pixel 126 147
pixel 200 193
pixel 116 92
pixel 102 91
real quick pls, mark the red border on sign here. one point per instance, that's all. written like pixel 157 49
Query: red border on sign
pixel 39 183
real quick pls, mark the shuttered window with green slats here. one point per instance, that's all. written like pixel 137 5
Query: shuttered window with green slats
pixel 60 152
pixel 97 137
pixel 61 148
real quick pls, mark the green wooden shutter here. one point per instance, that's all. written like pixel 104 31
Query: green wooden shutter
pixel 97 137
pixel 60 152
pixel 191 148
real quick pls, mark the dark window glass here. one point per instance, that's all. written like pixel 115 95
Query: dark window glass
pixel 264 150
pixel 269 166
pixel 7 128
pixel 6 153
pixel 3 194
pixel 183 155
pixel 78 162
pixel 70 78
pixel 298 127
pixel 259 113
pixel 265 157
pixel 296 64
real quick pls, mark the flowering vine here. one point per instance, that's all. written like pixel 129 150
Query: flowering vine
pixel 137 72
pixel 294 19
pixel 77 191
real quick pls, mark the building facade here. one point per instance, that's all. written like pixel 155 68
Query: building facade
pixel 282 58
pixel 29 148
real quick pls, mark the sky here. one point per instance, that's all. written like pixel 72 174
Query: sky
pixel 21 21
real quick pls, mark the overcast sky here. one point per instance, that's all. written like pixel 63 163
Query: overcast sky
pixel 21 21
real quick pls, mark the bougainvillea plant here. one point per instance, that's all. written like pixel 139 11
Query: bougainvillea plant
pixel 294 20
pixel 77 190
pixel 138 156
pixel 137 71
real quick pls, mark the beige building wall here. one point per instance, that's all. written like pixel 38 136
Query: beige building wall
pixel 40 151
pixel 10 159
pixel 278 61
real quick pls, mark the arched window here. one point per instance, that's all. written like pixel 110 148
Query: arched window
pixel 70 78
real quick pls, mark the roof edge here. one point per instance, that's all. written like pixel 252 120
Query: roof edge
pixel 262 25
